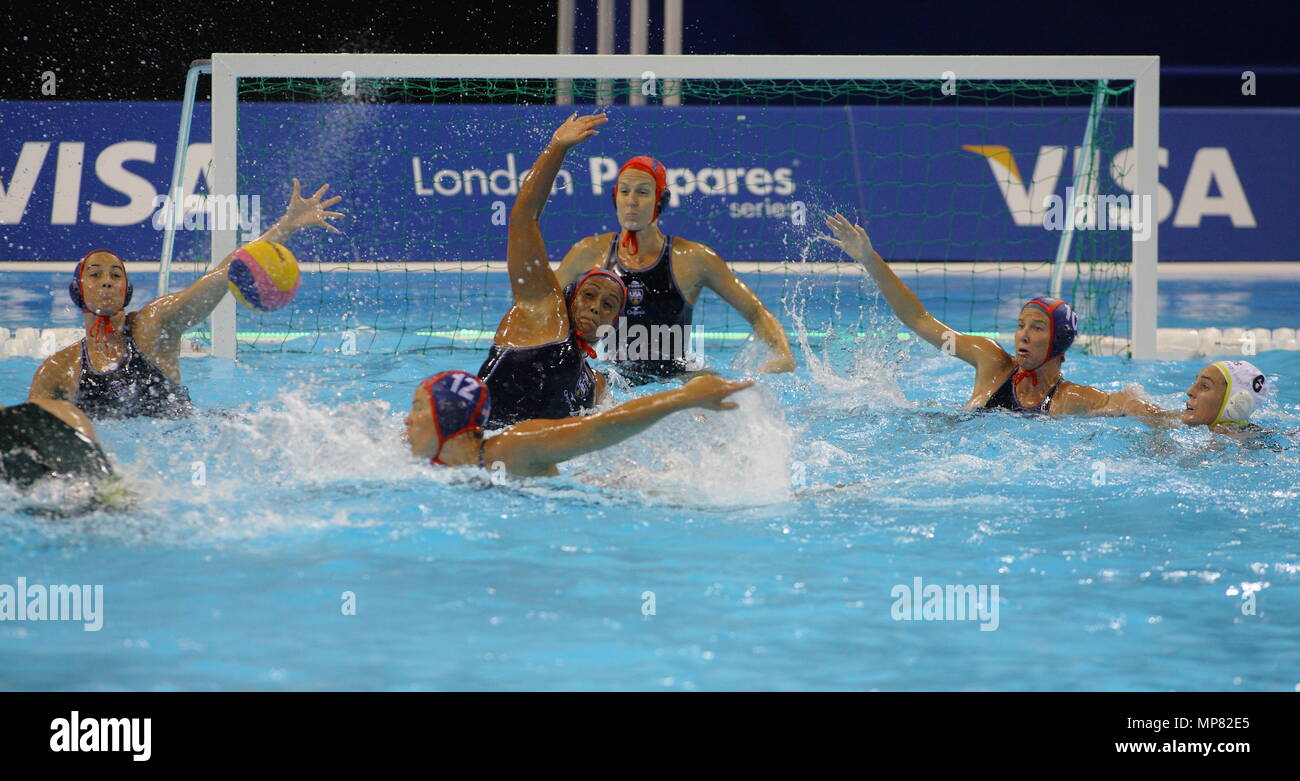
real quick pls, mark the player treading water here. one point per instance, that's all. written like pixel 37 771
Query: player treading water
pixel 664 277
pixel 1028 382
pixel 129 365
pixel 537 366
pixel 1222 397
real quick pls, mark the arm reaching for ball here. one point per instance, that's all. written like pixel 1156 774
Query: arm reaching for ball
pixel 178 312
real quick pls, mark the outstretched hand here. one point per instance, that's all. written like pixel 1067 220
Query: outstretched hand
pixel 577 129
pixel 853 239
pixel 306 212
pixel 709 390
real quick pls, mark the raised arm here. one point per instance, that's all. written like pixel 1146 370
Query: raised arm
pixel 721 280
pixel 534 447
pixel 531 280
pixel 179 311
pixel 975 350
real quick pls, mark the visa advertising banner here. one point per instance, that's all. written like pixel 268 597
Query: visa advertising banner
pixel 425 182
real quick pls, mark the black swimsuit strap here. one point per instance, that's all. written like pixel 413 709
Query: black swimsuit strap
pixel 613 252
pixel 129 337
pixel 1046 404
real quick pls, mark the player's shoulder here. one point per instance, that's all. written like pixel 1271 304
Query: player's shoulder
pixel 1081 391
pixel 585 254
pixel 514 447
pixel 992 362
pixel 697 252
pixel 69 413
pixel 1080 398
pixel 596 243
pixel 63 358
pixel 154 314
pixel 687 246
pixel 57 374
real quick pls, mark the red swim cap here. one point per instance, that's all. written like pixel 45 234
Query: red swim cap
pixel 655 169
pixel 103 324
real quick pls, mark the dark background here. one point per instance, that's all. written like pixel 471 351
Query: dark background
pixel 139 51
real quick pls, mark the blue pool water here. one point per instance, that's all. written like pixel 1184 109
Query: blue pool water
pixel 771 537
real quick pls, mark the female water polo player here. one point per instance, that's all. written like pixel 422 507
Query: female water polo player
pixel 1028 382
pixel 1224 395
pixel 1222 398
pixel 536 367
pixel 449 412
pixel 46 438
pixel 129 365
pixel 664 276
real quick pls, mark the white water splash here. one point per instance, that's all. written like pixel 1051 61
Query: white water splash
pixel 704 457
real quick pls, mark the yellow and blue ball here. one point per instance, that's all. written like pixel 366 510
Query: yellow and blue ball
pixel 263 276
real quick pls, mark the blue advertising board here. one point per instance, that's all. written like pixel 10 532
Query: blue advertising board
pixel 425 182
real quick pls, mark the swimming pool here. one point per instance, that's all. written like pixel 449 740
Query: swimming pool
pixel 768 541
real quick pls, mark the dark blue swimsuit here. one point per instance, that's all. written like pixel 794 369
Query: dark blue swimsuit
pixel 653 299
pixel 1005 398
pixel 548 381
pixel 134 388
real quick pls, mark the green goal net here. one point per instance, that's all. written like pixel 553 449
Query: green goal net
pixel 964 185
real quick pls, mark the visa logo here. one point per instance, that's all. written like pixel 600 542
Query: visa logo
pixel 110 167
pixel 1211 172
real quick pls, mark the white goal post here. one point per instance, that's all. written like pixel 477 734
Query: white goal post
pixel 1143 71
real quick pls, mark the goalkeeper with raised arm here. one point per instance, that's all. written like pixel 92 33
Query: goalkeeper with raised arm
pixel 129 365
pixel 664 276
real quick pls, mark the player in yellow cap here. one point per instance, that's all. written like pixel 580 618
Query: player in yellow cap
pixel 1222 397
